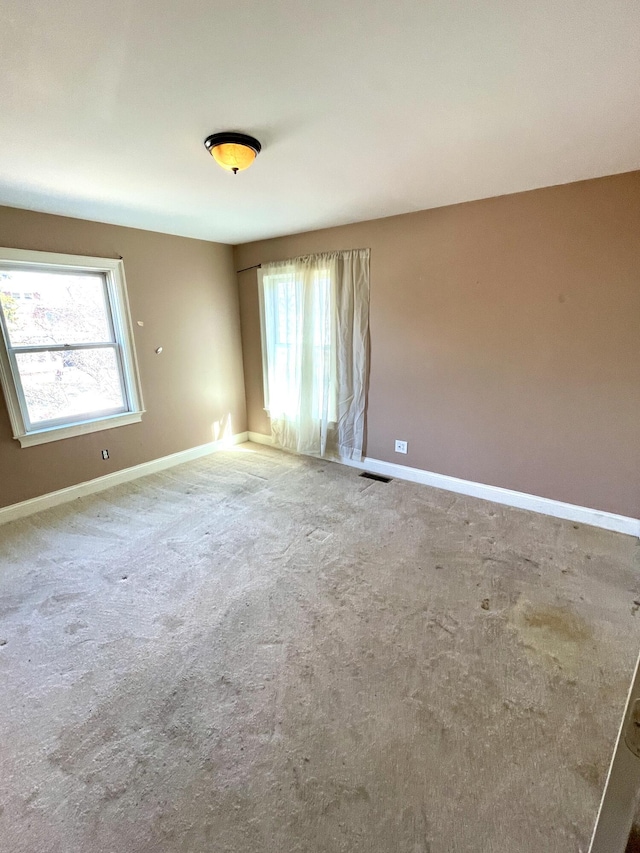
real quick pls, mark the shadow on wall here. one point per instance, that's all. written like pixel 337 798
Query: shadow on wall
pixel 633 845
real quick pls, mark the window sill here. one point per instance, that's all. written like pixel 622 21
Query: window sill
pixel 44 436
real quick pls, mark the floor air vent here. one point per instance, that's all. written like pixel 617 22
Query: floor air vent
pixel 377 477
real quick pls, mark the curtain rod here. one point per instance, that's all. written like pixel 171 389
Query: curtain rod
pixel 254 267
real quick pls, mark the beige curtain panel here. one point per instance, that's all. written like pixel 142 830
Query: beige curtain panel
pixel 315 344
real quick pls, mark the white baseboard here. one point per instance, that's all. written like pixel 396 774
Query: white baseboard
pixel 507 497
pixel 520 500
pixel 24 508
pixel 259 438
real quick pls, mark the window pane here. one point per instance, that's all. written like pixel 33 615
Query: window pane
pixel 297 329
pixel 43 308
pixel 68 384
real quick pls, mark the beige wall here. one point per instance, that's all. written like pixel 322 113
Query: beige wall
pixel 185 293
pixel 505 339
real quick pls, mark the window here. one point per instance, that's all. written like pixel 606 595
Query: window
pixel 293 312
pixel 314 314
pixel 67 358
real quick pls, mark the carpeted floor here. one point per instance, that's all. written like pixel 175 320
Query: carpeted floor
pixel 261 653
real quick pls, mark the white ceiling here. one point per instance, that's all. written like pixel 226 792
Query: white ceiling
pixel 365 108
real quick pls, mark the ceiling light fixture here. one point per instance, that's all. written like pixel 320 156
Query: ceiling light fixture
pixel 233 151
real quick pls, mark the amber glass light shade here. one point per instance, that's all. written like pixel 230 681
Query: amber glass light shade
pixel 232 151
pixel 233 157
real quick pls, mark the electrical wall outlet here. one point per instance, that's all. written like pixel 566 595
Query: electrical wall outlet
pixel 401 446
pixel 105 454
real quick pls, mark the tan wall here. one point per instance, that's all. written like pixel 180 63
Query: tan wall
pixel 185 293
pixel 505 339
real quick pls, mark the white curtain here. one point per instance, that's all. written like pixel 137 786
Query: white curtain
pixel 315 348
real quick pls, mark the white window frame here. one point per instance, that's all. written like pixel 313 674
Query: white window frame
pixel 120 317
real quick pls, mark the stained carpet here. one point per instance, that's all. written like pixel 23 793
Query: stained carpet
pixel 257 652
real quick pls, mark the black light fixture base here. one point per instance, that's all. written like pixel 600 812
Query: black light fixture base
pixel 227 138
